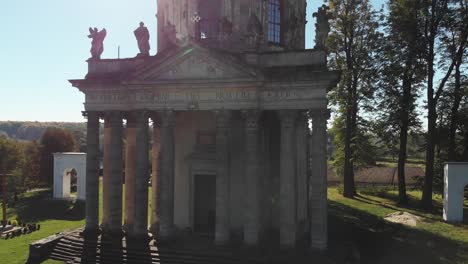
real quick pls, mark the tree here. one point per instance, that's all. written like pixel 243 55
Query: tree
pixel 365 152
pixel 31 164
pixel 10 155
pixel 353 45
pixel 435 12
pixel 402 74
pixel 454 41
pixel 10 161
pixel 54 140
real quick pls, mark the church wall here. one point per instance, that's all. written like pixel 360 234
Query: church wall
pixel 186 127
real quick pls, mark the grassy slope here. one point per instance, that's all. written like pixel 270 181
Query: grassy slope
pixel 353 223
pixel 357 223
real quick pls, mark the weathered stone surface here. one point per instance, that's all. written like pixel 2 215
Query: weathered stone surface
pixel 318 181
pixel 142 175
pixel 252 210
pixel 165 204
pixel 130 171
pixel 116 173
pixel 155 174
pixel 92 172
pixel 288 179
pixel 223 119
pixel 302 137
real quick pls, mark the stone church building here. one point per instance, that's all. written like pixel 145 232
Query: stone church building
pixel 238 108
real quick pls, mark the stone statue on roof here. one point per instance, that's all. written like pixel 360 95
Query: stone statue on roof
pixel 142 35
pixel 322 27
pixel 97 44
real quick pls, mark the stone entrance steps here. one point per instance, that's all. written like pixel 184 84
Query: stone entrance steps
pixel 73 249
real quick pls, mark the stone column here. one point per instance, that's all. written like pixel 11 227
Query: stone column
pixel 92 173
pixel 140 228
pixel 288 179
pixel 155 172
pixel 165 204
pixel 302 132
pixel 222 177
pixel 130 164
pixel 106 171
pixel 116 173
pixel 252 210
pixel 318 181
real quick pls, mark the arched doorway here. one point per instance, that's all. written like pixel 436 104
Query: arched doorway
pixel 69 169
pixel 455 182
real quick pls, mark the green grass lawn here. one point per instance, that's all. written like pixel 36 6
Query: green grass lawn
pixel 358 223
pixel 53 215
pixel 353 223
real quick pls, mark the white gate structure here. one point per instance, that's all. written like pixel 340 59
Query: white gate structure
pixel 455 180
pixel 62 178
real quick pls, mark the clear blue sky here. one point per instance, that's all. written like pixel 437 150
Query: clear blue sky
pixel 44 43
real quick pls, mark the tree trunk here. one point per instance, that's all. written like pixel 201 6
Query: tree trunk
pixel 426 201
pixel 402 154
pixel 452 153
pixel 402 197
pixel 465 152
pixel 348 177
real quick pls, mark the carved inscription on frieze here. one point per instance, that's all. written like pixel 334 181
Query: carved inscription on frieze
pixel 236 95
pixel 212 95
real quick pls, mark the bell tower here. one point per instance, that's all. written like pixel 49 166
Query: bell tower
pixel 235 25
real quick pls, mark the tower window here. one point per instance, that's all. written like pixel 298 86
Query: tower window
pixel 209 11
pixel 274 21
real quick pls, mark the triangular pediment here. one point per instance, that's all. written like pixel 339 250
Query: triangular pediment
pixel 196 63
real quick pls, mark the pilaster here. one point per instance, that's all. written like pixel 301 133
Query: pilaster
pixel 302 132
pixel 223 118
pixel 92 173
pixel 288 178
pixel 141 177
pixel 318 180
pixel 116 172
pixel 155 174
pixel 165 205
pixel 252 210
pixel 130 163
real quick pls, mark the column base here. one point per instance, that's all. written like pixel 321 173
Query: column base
pixel 112 235
pixel 318 245
pixel 154 229
pixel 90 233
pixel 141 239
pixel 127 228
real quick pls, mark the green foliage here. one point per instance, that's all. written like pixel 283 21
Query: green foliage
pixel 54 140
pixel 365 151
pixel 10 155
pixel 31 131
pixel 353 44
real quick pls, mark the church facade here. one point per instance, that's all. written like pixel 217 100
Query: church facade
pixel 238 145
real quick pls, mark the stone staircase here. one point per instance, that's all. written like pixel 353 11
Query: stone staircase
pixel 73 249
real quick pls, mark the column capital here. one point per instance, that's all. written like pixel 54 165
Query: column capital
pixel 141 116
pixel 91 115
pixel 114 115
pixel 321 114
pixel 251 118
pixel 167 118
pixel 223 118
pixel 287 117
